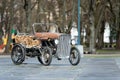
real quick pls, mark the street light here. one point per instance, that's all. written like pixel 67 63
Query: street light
pixel 78 22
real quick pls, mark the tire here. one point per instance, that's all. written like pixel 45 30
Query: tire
pixel 46 56
pixel 18 54
pixel 74 57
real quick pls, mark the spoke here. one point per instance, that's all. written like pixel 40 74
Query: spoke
pixel 46 57
pixel 17 55
pixel 74 56
pixel 18 59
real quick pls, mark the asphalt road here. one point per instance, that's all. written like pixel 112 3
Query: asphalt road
pixel 90 68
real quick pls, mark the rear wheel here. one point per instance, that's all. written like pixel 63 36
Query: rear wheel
pixel 46 56
pixel 74 57
pixel 18 54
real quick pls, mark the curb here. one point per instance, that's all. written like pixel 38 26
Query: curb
pixel 4 56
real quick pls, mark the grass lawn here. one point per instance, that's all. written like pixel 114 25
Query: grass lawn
pixel 104 53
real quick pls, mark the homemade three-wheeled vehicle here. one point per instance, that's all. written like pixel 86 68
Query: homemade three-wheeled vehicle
pixel 44 45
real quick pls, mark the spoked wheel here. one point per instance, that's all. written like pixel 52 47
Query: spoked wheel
pixel 18 54
pixel 46 56
pixel 74 57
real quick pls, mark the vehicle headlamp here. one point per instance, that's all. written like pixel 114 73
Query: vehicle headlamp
pixel 73 42
pixel 56 41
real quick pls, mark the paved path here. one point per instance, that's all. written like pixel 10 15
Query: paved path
pixel 88 69
pixel 31 69
pixel 101 69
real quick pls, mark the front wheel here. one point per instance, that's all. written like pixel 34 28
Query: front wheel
pixel 74 56
pixel 46 56
pixel 18 54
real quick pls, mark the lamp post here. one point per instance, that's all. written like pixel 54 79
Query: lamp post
pixel 78 22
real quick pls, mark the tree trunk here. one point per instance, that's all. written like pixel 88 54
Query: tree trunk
pixel 9 27
pixel 2 10
pixel 72 18
pixel 63 17
pixel 101 36
pixel 92 28
pixel 27 7
pixel 118 33
pixel 118 40
pixel 92 35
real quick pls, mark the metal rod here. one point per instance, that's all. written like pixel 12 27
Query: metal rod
pixel 78 22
